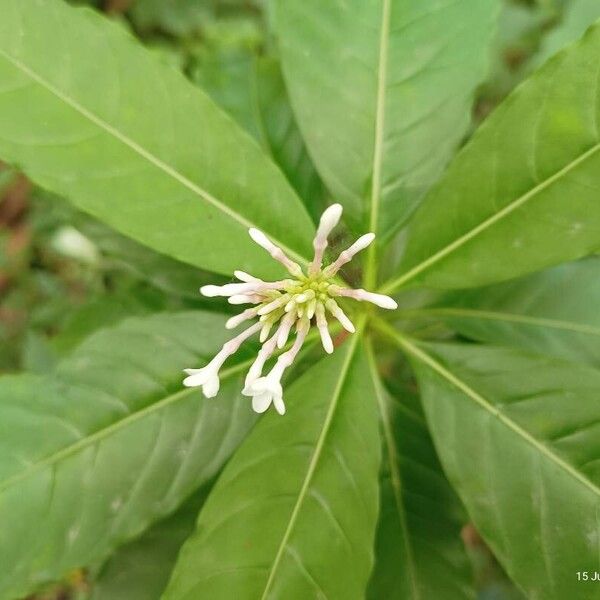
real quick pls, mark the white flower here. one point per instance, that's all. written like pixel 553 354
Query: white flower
pixel 285 303
pixel 329 219
pixel 347 255
pixel 364 296
pixel 243 316
pixel 208 378
pixel 323 330
pixel 266 391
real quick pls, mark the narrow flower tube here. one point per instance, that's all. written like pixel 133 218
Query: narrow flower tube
pixel 329 219
pixel 274 305
pixel 246 277
pixel 287 358
pixel 284 329
pixel 305 297
pixel 245 299
pixel 232 346
pixel 249 313
pixel 264 332
pixel 310 308
pixel 208 377
pixel 276 252
pixel 332 306
pixel 233 289
pixel 267 390
pixel 290 306
pixel 364 296
pixel 262 357
pixel 323 329
pixel 347 255
pixel 229 289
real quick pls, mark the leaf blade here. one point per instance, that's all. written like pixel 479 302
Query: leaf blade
pixel 297 526
pixel 378 137
pixel 522 178
pixel 552 312
pixel 530 461
pixel 153 157
pixel 418 549
pixel 140 570
pixel 261 105
pixel 100 452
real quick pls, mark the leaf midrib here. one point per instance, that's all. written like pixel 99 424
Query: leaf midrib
pixel 481 401
pixel 392 285
pixel 130 418
pixel 508 317
pixel 370 270
pixel 147 155
pixel 314 459
pixel 396 477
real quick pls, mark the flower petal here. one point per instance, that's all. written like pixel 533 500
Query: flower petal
pixel 279 405
pixel 211 388
pixel 261 402
pixel 197 377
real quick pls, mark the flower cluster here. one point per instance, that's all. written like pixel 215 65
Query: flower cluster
pixel 282 306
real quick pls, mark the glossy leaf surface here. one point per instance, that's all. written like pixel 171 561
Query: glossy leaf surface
pixel 523 195
pixel 293 515
pixel 554 312
pixel 252 90
pixel 418 551
pixel 517 435
pixel 109 443
pixel 94 117
pixel 382 90
pixel 141 569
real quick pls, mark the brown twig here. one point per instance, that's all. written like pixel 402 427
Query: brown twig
pixel 12 210
pixel 14 203
pixel 115 7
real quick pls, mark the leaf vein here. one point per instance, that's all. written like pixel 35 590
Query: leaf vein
pixel 141 151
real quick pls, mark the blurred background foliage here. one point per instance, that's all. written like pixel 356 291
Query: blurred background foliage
pixel 64 275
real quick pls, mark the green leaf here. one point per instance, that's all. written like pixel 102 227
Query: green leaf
pixel 579 15
pixel 97 313
pixel 93 454
pixel 130 141
pixel 293 515
pixel 161 272
pixel 283 138
pixel 418 550
pixel 523 194
pixel 554 312
pixel 140 570
pixel 252 90
pixel 383 91
pixel 517 435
